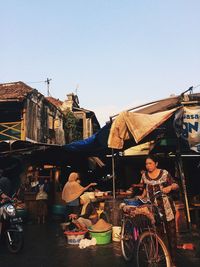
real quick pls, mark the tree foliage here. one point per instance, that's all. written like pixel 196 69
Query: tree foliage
pixel 73 131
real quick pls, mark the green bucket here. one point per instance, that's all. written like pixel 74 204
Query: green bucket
pixel 102 238
pixel 58 210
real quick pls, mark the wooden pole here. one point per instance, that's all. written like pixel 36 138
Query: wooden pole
pixel 113 169
pixel 113 174
pixel 183 181
pixel 181 171
pixel 23 125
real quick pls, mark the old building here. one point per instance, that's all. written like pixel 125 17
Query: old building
pixel 25 114
pixel 80 123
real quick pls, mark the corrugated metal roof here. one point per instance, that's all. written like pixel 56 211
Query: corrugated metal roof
pixel 161 105
pixel 16 91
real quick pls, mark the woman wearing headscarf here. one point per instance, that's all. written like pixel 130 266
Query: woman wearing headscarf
pixel 71 193
pixel 87 215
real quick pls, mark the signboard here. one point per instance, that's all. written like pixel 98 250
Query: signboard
pixel 191 127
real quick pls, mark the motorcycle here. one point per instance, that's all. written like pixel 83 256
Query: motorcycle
pixel 12 229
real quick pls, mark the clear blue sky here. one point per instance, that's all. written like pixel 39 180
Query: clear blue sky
pixel 120 52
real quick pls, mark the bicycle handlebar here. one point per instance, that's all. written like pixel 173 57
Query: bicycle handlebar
pixel 159 194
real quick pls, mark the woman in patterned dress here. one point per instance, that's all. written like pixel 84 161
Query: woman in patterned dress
pixel 155 180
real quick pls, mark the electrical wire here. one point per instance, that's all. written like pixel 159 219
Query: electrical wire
pixel 37 82
pixel 196 86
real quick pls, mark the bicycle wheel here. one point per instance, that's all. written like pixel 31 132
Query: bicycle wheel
pixel 127 239
pixel 151 251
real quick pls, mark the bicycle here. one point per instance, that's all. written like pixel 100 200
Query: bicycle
pixel 142 238
pixel 127 239
pixel 133 223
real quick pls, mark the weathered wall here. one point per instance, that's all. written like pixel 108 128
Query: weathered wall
pixel 44 122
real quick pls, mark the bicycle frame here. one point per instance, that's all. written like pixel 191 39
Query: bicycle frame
pixel 140 232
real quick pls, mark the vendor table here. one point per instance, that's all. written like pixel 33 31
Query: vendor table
pixel 104 198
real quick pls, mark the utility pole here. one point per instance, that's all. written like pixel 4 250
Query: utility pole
pixel 76 90
pixel 48 85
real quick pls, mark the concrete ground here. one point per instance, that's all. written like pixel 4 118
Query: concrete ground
pixel 46 246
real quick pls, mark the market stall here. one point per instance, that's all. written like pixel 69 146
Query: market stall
pixel 177 118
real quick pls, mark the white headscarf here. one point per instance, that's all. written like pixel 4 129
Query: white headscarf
pixel 86 201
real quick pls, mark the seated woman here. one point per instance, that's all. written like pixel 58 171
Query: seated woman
pixel 87 215
pixel 71 193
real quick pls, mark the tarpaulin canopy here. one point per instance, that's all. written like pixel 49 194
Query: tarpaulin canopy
pixel 75 153
pixel 96 145
pixel 166 118
pixel 135 125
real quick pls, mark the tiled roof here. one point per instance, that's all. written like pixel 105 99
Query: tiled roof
pixel 15 90
pixel 56 102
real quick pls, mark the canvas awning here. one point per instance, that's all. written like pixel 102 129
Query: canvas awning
pixel 129 125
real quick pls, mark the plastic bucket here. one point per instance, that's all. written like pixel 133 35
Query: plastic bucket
pixel 74 238
pixel 58 209
pixel 116 233
pixel 58 212
pixel 102 238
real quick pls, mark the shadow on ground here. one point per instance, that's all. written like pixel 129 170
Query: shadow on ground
pixel 45 246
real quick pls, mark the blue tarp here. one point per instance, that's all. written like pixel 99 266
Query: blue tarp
pixel 95 145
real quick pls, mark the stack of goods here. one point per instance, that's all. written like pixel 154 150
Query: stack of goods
pixel 102 231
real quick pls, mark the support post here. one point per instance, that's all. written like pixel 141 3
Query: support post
pixel 113 170
pixel 182 175
pixel 180 167
pixel 113 174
